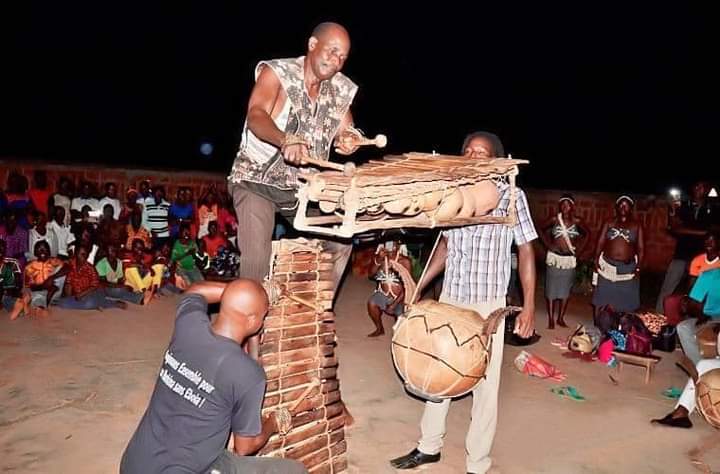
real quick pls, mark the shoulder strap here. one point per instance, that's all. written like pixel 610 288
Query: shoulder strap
pixel 565 233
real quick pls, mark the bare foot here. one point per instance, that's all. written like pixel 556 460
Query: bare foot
pixel 561 323
pixel 376 333
pixel 17 309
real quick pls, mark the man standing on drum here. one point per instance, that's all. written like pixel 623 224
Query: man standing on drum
pixel 476 261
pixel 297 109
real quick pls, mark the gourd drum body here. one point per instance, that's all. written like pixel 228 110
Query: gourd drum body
pixel 441 350
pixel 707 393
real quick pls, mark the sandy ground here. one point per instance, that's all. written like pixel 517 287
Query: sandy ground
pixel 74 387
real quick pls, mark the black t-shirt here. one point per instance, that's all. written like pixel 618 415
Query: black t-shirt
pixel 695 217
pixel 207 387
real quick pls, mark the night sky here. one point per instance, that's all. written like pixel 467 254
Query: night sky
pixel 596 97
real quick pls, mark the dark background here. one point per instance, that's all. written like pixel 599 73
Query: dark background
pixel 605 97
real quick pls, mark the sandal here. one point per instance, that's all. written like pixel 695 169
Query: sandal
pixel 568 392
pixel 673 393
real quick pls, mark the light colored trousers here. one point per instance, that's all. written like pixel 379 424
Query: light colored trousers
pixel 673 276
pixel 687 334
pixel 687 399
pixel 483 421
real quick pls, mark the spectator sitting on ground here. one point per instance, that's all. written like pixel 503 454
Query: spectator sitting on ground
pixel 82 286
pixel 44 280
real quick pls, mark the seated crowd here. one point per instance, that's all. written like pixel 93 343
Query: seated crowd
pixel 83 251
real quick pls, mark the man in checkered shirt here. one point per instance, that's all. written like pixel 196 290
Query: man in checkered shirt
pixel 476 261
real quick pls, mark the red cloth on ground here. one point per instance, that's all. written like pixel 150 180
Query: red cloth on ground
pixel 604 352
pixel 536 367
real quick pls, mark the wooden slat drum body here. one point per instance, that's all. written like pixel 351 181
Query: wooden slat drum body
pixel 297 349
pixel 410 190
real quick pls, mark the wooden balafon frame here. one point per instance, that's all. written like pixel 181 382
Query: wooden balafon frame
pixel 409 190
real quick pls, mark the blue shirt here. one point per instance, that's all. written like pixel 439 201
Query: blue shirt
pixel 707 289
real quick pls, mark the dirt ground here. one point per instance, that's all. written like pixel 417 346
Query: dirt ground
pixel 74 387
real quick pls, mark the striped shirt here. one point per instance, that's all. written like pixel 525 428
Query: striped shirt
pixel 157 216
pixel 478 264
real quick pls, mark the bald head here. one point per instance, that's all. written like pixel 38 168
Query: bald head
pixel 328 49
pixel 330 29
pixel 245 302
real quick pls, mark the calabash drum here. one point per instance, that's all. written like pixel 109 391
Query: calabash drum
pixel 707 394
pixel 443 351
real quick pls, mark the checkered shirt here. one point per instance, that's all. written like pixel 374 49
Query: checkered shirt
pixel 477 269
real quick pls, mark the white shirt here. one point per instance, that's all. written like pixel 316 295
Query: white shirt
pixel 78 203
pixel 61 239
pixel 34 237
pixel 64 202
pixel 115 203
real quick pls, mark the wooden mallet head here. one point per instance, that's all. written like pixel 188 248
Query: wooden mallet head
pixel 379 141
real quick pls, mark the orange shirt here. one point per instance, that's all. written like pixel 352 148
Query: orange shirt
pixel 700 264
pixel 142 234
pixel 36 272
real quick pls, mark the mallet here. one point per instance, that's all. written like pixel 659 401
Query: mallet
pixel 379 141
pixel 348 169
pixel 358 140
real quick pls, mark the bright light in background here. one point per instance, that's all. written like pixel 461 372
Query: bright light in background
pixel 675 193
pixel 206 148
pixel 713 193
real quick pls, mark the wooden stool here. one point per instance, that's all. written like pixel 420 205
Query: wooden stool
pixel 634 359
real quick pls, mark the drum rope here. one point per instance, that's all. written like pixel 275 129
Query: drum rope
pixel 427 264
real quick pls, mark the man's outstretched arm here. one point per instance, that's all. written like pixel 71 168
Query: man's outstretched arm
pixel 210 290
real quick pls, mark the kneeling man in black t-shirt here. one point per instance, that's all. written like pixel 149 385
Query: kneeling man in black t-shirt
pixel 207 388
